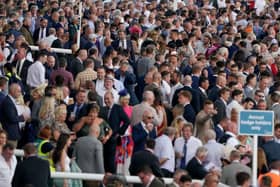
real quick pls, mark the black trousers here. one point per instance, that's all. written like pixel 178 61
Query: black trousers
pixel 109 153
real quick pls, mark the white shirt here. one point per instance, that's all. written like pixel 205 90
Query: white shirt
pixel 173 89
pixel 49 39
pixel 118 85
pixel 233 104
pixel 36 74
pixel 99 85
pixel 192 145
pixel 19 66
pixel 232 141
pixel 115 94
pixel 164 149
pixel 166 90
pixel 6 171
pixel 43 33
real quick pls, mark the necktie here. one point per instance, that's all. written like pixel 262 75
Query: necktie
pixel 183 159
pixel 42 33
pixel 109 112
pixel 77 110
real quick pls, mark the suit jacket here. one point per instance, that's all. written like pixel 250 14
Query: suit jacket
pixel 229 173
pixel 140 136
pixel 34 171
pixel 27 35
pixel 89 154
pixel 24 70
pixel 203 97
pixel 156 183
pixel 2 97
pixel 10 119
pixel 195 169
pixel 276 109
pixel 221 111
pixel 195 82
pixel 76 67
pixel 145 157
pixel 272 151
pixel 219 132
pixel 129 47
pixel 116 117
pixel 195 102
pixel 189 113
pixel 37 32
pixel 82 112
pixel 203 122
pixel 213 93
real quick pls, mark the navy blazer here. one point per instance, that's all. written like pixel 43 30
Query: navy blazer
pixel 195 169
pixel 116 118
pixel 2 97
pixel 83 112
pixel 221 111
pixel 140 136
pixel 189 113
pixel 213 93
pixel 37 32
pixel 129 47
pixel 10 119
pixel 196 99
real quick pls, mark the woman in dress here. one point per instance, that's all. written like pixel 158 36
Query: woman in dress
pixel 124 148
pixel 47 112
pixel 61 159
pixel 83 125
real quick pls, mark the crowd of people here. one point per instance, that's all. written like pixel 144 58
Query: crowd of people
pixel 152 88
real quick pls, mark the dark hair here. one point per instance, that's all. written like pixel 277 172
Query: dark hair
pixel 250 77
pixel 8 146
pixel 242 177
pixel 150 143
pixel 61 142
pixel 185 178
pixel 277 126
pixel 236 93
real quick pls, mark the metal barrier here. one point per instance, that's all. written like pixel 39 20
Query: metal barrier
pixel 57 50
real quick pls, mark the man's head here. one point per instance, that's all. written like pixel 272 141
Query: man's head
pixel 83 54
pixel 201 153
pixel 51 61
pixel 145 174
pixel 149 97
pixel 237 95
pixel 147 117
pixel 248 103
pixel 211 180
pixel 235 155
pixel 94 130
pixel 29 149
pixel 8 151
pixel 187 130
pixel 3 83
pixel 101 73
pixel 43 22
pixel 243 179
pixel 81 97
pixel 109 99
pixel 224 93
pixel 184 97
pixel 42 56
pixel 170 132
pixel 185 181
pixel 15 90
pixel 210 135
pixel 208 107
pixel 109 82
pixel 177 175
pixel 277 130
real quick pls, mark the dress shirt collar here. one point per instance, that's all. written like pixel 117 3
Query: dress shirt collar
pixel 199 161
pixel 144 126
pixel 230 133
pixel 275 172
pixel 150 181
pixel 202 89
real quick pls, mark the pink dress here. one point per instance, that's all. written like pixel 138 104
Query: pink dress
pixel 124 151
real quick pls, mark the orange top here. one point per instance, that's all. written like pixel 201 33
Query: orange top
pixel 274 177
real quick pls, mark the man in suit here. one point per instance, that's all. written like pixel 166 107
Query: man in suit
pixel 3 85
pixel 271 149
pixel 77 64
pixel 195 167
pixel 129 81
pixel 21 63
pixel 9 116
pixel 229 172
pixel 124 43
pixel 203 120
pixel 195 102
pixel 202 89
pixel 145 157
pixel 89 153
pixel 42 32
pixel 142 131
pixel 220 83
pixel 118 121
pixel 184 99
pixel 27 22
pixel 148 179
pixel 77 110
pixel 32 171
pixel 275 107
pixel 221 105
pixel 176 177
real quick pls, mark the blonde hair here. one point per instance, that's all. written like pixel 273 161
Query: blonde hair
pixel 59 110
pixel 176 124
pixel 47 108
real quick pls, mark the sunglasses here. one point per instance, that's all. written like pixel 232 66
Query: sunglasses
pixel 150 117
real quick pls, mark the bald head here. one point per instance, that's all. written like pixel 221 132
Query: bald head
pixel 94 130
pixel 187 80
